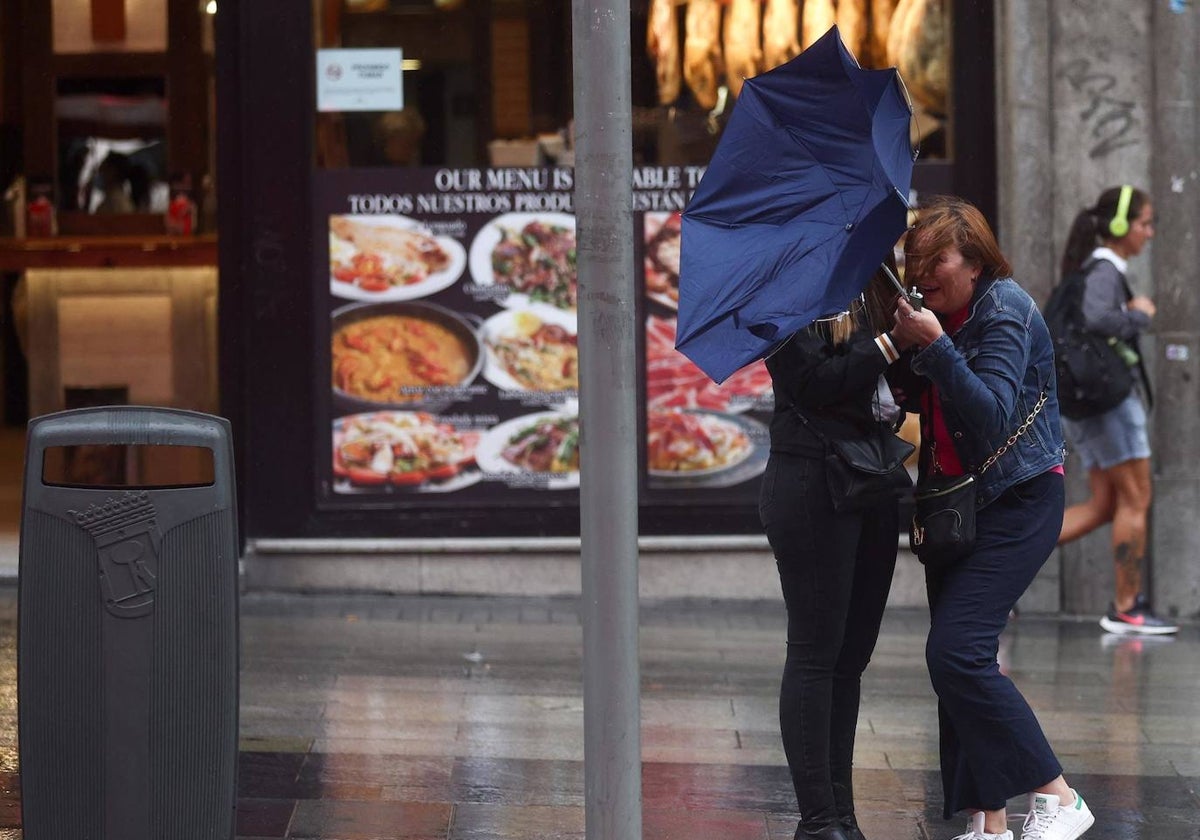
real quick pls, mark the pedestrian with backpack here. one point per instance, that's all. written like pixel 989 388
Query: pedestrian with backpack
pixel 1111 439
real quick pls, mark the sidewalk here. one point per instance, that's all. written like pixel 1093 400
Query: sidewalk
pixel 461 718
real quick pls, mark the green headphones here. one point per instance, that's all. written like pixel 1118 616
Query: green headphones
pixel 1119 226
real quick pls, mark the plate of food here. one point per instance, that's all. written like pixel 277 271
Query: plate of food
pixel 382 258
pixel 540 449
pixel 663 234
pixel 400 449
pixel 530 254
pixel 673 381
pixel 704 448
pixel 528 350
pixel 402 354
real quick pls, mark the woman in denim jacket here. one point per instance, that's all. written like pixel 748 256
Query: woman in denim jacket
pixel 980 361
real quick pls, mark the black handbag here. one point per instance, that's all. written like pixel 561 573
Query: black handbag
pixel 863 472
pixel 943 523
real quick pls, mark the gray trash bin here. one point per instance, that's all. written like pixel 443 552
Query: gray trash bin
pixel 127 651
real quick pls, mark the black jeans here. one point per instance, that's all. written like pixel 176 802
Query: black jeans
pixel 992 747
pixel 835 571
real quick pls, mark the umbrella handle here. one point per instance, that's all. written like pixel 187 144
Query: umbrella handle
pixel 915 299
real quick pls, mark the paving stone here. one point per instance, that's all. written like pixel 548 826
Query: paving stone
pixel 462 719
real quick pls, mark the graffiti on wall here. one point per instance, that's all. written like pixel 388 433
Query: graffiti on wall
pixel 1110 121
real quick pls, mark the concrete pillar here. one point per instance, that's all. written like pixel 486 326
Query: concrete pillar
pixel 1175 537
pixel 1024 139
pixel 1101 82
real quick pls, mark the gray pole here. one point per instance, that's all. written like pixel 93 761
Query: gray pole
pixel 608 420
pixel 1176 415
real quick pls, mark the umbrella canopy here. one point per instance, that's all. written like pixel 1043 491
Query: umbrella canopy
pixel 805 194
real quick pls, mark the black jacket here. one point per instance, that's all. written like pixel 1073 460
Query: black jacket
pixel 833 386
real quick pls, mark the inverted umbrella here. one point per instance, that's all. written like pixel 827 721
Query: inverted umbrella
pixel 804 196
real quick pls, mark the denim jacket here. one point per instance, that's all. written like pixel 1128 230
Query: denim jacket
pixel 989 376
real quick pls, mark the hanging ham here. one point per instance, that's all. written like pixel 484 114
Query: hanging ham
pixel 780 30
pixel 852 23
pixel 702 50
pixel 662 43
pixel 743 55
pixel 819 15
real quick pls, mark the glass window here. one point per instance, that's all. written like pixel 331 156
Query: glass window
pixel 492 83
pixel 689 59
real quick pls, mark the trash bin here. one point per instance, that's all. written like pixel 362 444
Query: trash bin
pixel 127 651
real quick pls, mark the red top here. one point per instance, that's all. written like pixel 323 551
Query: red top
pixel 943 456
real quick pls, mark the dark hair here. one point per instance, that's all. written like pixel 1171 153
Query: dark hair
pixel 950 222
pixel 1090 227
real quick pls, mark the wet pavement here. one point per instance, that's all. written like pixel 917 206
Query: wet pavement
pixel 462 718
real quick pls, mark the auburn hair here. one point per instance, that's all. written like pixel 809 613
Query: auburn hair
pixel 949 222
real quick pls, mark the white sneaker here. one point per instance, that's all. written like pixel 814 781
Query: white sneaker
pixel 975 830
pixel 1047 820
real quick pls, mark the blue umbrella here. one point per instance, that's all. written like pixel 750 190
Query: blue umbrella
pixel 804 196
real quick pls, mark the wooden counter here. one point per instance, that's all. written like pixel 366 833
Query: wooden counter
pixel 107 252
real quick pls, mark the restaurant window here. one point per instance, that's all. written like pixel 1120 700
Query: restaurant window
pixel 444 256
pixel 492 83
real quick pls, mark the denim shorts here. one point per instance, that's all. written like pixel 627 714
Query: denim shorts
pixel 1111 438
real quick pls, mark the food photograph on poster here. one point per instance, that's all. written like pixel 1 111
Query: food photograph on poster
pixel 410 450
pixel 698 434
pixel 663 233
pixel 539 450
pixel 402 353
pixel 530 351
pixel 532 255
pixel 454 350
pixel 381 258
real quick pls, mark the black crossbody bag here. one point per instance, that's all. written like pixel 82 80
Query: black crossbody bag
pixel 943 523
pixel 863 472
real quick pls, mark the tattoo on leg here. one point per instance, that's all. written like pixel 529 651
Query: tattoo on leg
pixel 1127 559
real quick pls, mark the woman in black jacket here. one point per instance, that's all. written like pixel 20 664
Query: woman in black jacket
pixel 835 569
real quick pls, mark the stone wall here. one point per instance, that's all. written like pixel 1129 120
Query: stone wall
pixel 1085 92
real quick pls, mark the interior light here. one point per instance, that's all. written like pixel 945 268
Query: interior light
pixel 410 64
pixel 211 7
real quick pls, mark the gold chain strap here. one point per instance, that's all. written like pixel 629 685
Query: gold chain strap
pixel 1013 438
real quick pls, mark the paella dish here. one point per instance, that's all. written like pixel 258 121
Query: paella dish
pixel 393 358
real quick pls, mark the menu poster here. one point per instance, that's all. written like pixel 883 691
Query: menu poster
pixel 450 345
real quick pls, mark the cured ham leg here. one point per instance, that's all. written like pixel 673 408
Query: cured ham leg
pixel 881 20
pixel 852 23
pixel 702 50
pixel 819 15
pixel 780 31
pixel 743 55
pixel 662 43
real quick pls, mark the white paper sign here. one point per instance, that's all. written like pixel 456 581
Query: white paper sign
pixel 359 80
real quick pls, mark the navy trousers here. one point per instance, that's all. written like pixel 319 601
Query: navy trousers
pixel 992 746
pixel 835 571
